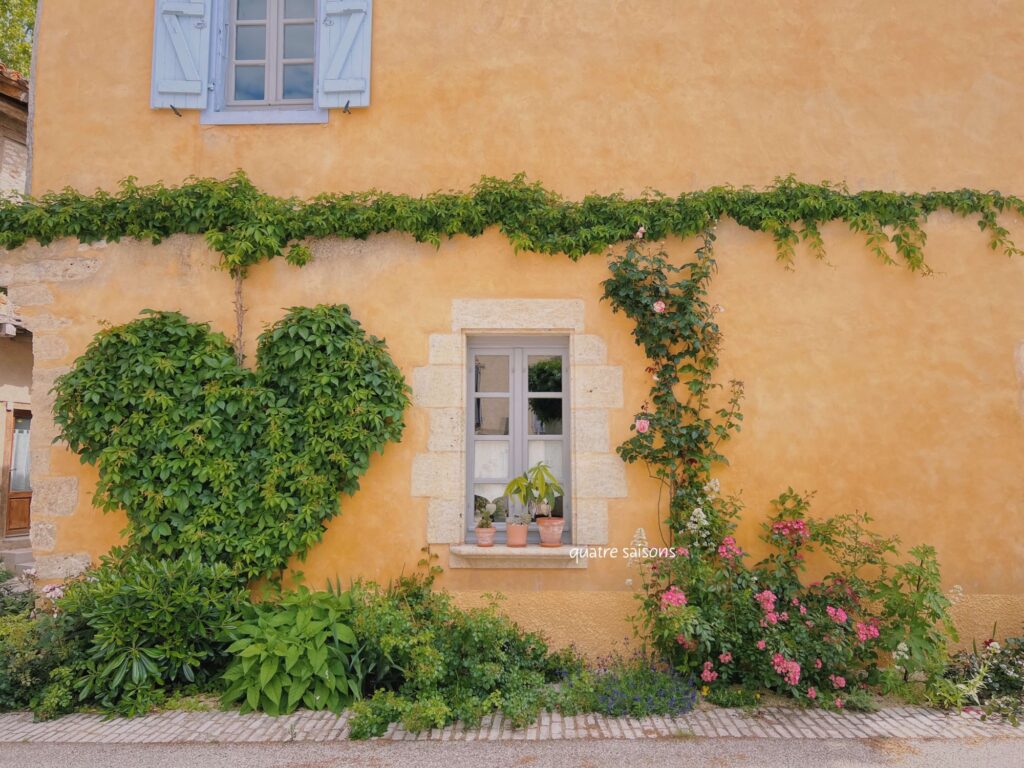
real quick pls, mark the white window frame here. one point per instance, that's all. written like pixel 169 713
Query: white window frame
pixel 222 109
pixel 519 349
pixel 273 61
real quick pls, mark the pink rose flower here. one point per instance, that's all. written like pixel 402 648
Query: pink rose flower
pixel 673 597
pixel 837 681
pixel 642 425
pixel 659 306
pixel 728 549
pixel 839 703
pixel 812 694
pixel 725 658
pixel 761 645
pixel 640 232
pixel 838 615
pixel 683 551
pixel 708 675
pixel 788 670
pixel 817 663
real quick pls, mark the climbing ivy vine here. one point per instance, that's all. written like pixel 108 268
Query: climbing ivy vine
pixel 247 226
pixel 242 467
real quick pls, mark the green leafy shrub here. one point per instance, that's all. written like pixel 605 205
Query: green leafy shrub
pixel 428 662
pixel 58 697
pixel 149 626
pixel 992 677
pixel 13 601
pixel 296 650
pixel 33 655
pixel 207 457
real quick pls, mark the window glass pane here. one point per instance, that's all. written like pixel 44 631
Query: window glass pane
pixel 298 9
pixel 250 43
pixel 491 416
pixel 491 372
pixel 545 373
pixel 550 452
pixel 490 459
pixel 252 9
pixel 298 81
pixel 298 41
pixel 249 83
pixel 485 492
pixel 20 459
pixel 545 416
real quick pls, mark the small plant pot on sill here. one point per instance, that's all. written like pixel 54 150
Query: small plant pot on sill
pixel 550 531
pixel 515 534
pixel 485 536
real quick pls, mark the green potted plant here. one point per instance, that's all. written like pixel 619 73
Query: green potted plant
pixel 485 529
pixel 536 491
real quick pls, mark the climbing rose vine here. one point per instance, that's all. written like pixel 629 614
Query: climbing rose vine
pixel 703 608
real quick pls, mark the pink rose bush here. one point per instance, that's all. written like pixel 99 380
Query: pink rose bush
pixel 726 623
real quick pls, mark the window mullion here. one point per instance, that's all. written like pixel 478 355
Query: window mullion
pixel 276 12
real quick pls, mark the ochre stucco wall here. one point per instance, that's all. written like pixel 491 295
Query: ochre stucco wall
pixel 887 392
pixel 584 95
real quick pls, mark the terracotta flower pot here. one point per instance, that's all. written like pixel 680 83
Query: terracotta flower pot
pixel 550 531
pixel 515 534
pixel 485 536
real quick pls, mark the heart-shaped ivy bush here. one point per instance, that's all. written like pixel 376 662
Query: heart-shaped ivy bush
pixel 244 467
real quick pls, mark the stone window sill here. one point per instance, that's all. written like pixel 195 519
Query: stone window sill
pixel 500 556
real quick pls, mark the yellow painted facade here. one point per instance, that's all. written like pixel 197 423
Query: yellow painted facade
pixel 887 392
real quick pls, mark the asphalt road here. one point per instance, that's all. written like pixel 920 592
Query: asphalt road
pixel 719 753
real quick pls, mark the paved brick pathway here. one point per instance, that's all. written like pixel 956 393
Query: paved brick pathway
pixel 768 723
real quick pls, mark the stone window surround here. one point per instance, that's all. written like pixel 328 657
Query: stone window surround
pixel 439 473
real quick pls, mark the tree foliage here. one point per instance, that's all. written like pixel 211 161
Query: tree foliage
pixel 17 22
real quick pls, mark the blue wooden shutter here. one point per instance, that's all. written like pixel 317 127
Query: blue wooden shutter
pixel 181 54
pixel 343 64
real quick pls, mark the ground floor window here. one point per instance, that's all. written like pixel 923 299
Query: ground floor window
pixel 518 416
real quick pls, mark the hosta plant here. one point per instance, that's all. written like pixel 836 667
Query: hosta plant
pixel 298 650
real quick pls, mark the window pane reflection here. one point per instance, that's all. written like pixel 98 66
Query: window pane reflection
pixel 545 416
pixel 545 374
pixel 252 9
pixel 491 416
pixel 249 83
pixel 491 372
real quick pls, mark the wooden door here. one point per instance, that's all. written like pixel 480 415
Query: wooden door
pixel 19 487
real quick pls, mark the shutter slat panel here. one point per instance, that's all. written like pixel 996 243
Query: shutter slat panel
pixel 181 54
pixel 344 56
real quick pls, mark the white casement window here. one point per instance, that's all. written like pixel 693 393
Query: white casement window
pixel 271 61
pixel 518 415
pixel 261 61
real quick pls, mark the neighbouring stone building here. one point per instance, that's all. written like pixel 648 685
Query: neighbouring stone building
pixel 887 392
pixel 13 131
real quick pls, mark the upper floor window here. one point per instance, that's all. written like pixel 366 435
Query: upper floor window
pixel 272 52
pixel 261 61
